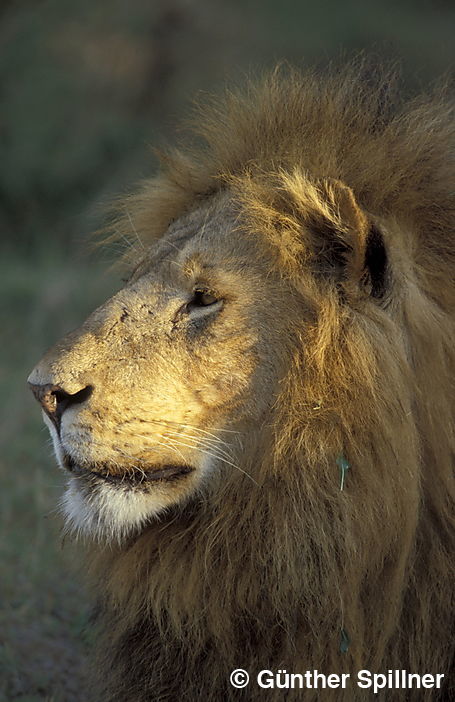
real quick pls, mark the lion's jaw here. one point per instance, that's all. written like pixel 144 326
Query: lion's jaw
pixel 167 380
pixel 111 507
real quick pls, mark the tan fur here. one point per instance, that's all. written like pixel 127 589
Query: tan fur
pixel 262 561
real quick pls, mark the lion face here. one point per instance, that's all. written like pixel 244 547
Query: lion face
pixel 148 400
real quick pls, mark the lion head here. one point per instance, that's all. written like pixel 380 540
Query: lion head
pixel 149 398
pixel 259 422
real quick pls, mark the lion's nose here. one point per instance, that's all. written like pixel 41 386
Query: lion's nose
pixel 54 399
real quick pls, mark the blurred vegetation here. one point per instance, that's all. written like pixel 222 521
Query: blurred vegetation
pixel 85 87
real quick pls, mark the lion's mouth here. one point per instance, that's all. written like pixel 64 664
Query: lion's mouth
pixel 130 476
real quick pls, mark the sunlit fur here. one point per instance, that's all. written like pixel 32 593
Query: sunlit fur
pixel 268 574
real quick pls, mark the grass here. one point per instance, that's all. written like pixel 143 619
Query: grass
pixel 43 607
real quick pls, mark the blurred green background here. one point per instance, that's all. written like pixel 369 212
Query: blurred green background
pixel 85 88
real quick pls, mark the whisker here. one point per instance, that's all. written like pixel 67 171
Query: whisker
pixel 128 243
pixel 189 426
pixel 134 229
pixel 197 441
pixel 214 437
pixel 210 438
pixel 224 460
pixel 148 448
pixel 208 443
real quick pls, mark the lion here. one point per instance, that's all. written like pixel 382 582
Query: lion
pixel 257 429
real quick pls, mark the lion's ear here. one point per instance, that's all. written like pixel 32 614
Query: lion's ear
pixel 346 245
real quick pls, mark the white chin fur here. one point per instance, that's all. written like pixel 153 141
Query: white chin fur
pixel 108 513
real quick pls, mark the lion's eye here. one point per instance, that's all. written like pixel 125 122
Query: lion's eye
pixel 203 298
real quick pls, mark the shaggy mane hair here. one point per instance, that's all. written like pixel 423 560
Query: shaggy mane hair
pixel 297 573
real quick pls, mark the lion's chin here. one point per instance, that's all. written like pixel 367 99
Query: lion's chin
pixel 110 507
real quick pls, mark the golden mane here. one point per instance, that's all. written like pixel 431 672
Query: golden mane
pixel 246 577
pixel 351 124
